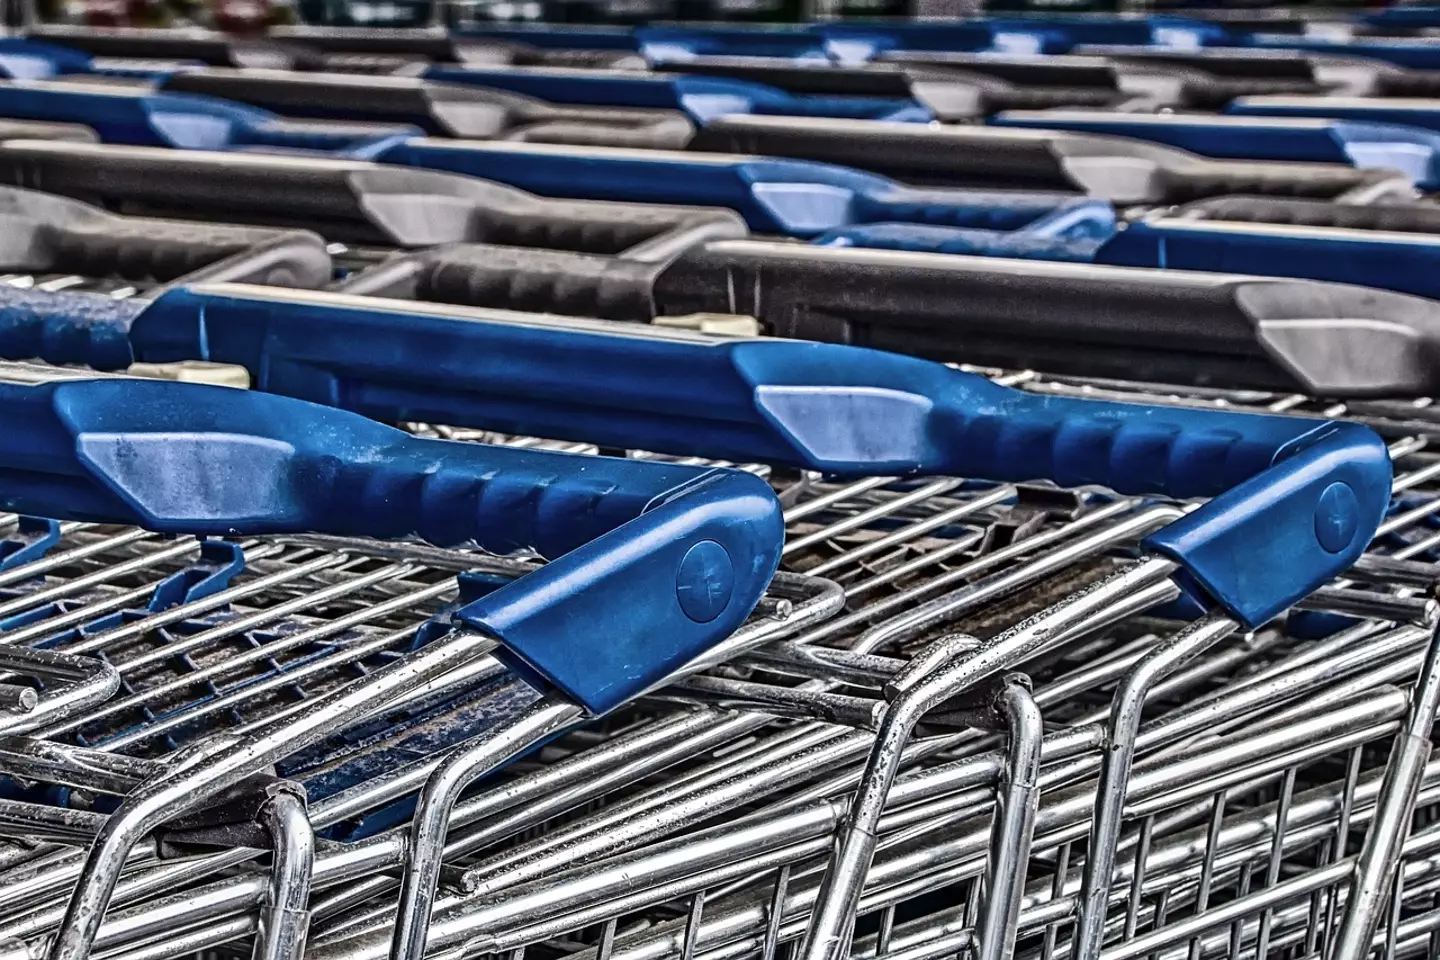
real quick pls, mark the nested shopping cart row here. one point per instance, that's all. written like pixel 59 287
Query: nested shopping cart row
pixel 1099 526
pixel 975 712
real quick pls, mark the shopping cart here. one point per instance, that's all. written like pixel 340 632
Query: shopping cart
pixel 236 463
pixel 132 114
pixel 1307 903
pixel 614 354
pixel 439 109
pixel 380 49
pixel 384 204
pixel 1414 112
pixel 1201 79
pixel 1310 139
pixel 364 210
pixel 1169 800
pixel 55 243
pixel 1124 171
pixel 704 96
pixel 1323 339
pixel 176 46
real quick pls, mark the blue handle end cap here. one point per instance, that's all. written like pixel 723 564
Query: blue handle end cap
pixel 705 581
pixel 1262 546
pixel 1337 517
pixel 619 615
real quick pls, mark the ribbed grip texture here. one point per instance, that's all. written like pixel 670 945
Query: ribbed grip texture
pixel 1213 93
pixel 539 281
pixel 321 135
pixel 1274 179
pixel 1405 218
pixel 986 243
pixel 657 135
pixel 1409 83
pixel 1130 449
pixel 487 495
pixel 562 230
pixel 66 328
pixel 146 250
pixel 1043 98
pixel 977 209
pixel 181 458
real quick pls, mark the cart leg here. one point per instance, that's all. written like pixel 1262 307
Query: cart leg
pixel 1394 811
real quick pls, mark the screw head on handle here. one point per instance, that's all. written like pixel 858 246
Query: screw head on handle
pixel 705 581
pixel 1337 517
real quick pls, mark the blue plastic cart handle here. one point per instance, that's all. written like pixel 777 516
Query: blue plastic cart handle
pixel 1413 112
pixel 1404 262
pixel 556 37
pixel 1413 151
pixel 143 118
pixel 22 59
pixel 664 42
pixel 1071 230
pixel 702 98
pixel 1400 52
pixel 663 560
pixel 1295 501
pixel 798 198
pixel 1414 17
pixel 661 43
pixel 1053 34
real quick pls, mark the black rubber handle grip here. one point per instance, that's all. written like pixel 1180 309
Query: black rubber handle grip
pixel 915 153
pixel 1304 180
pixel 672 133
pixel 1205 92
pixel 1408 83
pixel 1045 98
pixel 352 201
pixel 1166 326
pixel 1400 217
pixel 48 234
pixel 638 230
pixel 869 80
pixel 535 281
pixel 42 130
pixel 213 48
pixel 1220 62
pixel 164 251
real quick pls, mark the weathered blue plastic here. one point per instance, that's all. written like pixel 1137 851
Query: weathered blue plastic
pixel 1412 150
pixel 664 41
pixel 32 538
pixel 662 560
pixel 142 118
pixel 1407 16
pixel 1421 113
pixel 1408 263
pixel 1070 229
pixel 1416 55
pixel 22 59
pixel 661 43
pixel 703 98
pixel 220 562
pixel 556 36
pixel 960 36
pixel 798 198
pixel 1161 30
pixel 67 329
pixel 1296 501
pixel 1052 34
pixel 1019 245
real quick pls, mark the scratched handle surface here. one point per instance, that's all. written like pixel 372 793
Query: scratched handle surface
pixel 183 458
